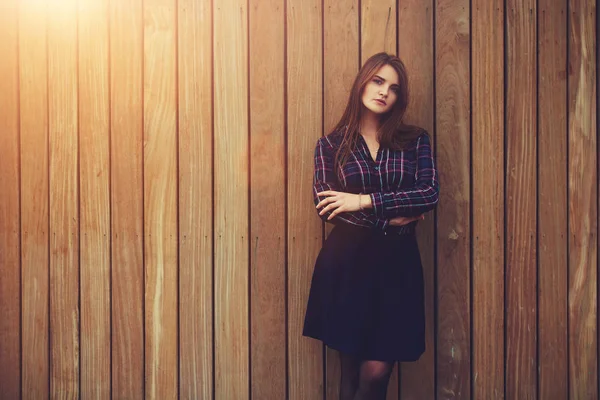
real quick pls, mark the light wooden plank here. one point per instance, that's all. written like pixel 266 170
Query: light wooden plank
pixel 10 258
pixel 583 212
pixel 488 199
pixel 452 74
pixel 64 204
pixel 94 199
pixel 377 27
pixel 305 124
pixel 195 199
pixel 415 41
pixel 231 200
pixel 126 201
pixel 520 170
pixel 341 61
pixel 33 104
pixel 160 199
pixel 267 230
pixel 552 200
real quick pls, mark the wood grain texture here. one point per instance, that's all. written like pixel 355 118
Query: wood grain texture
pixel 452 74
pixel 231 200
pixel 552 200
pixel 94 199
pixel 10 252
pixel 160 199
pixel 340 66
pixel 305 125
pixel 126 199
pixel 64 200
pixel 378 33
pixel 583 212
pixel 520 170
pixel 415 41
pixel 195 199
pixel 488 200
pixel 377 27
pixel 34 190
pixel 267 196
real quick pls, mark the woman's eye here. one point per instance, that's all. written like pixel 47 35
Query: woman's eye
pixel 377 81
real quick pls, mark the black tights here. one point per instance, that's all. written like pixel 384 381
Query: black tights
pixel 364 379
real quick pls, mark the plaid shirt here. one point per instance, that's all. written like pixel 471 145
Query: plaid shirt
pixel 400 183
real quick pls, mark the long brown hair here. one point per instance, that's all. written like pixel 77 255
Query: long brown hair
pixel 392 133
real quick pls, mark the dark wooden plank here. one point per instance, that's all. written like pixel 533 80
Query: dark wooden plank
pixel 377 27
pixel 160 199
pixel 231 199
pixel 452 76
pixel 488 199
pixel 195 199
pixel 552 200
pixel 415 41
pixel 340 65
pixel 10 257
pixel 94 197
pixel 126 201
pixel 378 33
pixel 305 124
pixel 267 196
pixel 64 204
pixel 521 286
pixel 33 104
pixel 583 212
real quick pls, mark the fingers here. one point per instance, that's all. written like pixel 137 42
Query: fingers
pixel 329 208
pixel 327 193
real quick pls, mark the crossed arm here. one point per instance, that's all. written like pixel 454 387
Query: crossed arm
pixel 408 203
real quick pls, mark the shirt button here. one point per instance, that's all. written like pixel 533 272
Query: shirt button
pixel 376 168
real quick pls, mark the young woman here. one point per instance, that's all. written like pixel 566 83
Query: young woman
pixel 374 179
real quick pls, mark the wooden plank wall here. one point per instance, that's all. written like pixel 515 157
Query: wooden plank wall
pixel 157 230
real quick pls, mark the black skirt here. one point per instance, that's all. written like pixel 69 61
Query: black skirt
pixel 366 296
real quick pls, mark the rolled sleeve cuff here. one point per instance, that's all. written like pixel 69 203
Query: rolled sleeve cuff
pixel 377 201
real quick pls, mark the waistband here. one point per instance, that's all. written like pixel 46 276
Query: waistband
pixel 403 230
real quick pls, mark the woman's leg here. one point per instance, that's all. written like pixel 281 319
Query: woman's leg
pixel 350 367
pixel 373 380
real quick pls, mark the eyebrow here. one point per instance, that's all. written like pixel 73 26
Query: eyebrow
pixel 393 84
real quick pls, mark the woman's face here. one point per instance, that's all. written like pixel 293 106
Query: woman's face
pixel 381 92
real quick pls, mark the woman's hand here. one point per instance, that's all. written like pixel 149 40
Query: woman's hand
pixel 399 221
pixel 338 202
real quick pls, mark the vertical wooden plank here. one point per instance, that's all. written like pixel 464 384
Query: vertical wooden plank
pixel 33 106
pixel 10 259
pixel 452 74
pixel 195 199
pixel 340 66
pixel 583 182
pixel 160 198
pixel 94 199
pixel 488 199
pixel 231 199
pixel 378 33
pixel 64 200
pixel 521 274
pixel 552 200
pixel 304 108
pixel 377 27
pixel 126 201
pixel 267 230
pixel 415 41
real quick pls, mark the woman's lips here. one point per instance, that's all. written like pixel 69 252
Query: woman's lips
pixel 380 102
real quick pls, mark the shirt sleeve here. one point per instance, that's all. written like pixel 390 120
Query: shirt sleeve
pixel 418 199
pixel 324 179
